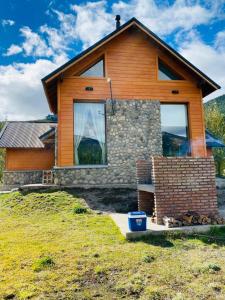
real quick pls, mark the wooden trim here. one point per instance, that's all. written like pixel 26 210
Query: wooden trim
pixel 106 65
pixel 59 124
pixel 203 124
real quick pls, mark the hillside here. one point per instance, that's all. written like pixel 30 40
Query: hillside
pixel 218 101
pixel 54 247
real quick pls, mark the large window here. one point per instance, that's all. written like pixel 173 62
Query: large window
pixel 96 70
pixel 174 124
pixel 89 131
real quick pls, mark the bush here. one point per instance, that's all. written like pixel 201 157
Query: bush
pixel 43 263
pixel 80 209
pixel 148 258
pixel 213 268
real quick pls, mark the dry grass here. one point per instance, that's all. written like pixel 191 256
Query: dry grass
pixel 47 251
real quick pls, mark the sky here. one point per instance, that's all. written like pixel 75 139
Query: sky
pixel 37 36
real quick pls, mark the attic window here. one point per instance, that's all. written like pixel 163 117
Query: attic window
pixel 165 73
pixel 96 70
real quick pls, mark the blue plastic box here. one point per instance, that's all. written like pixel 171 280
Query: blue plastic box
pixel 137 221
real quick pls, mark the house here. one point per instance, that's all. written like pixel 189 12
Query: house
pixel 116 104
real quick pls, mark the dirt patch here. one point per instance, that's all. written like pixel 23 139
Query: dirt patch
pixel 119 200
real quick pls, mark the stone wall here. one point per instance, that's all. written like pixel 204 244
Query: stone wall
pixel 16 178
pixel 133 131
pixel 182 184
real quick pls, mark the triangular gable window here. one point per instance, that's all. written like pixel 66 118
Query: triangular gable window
pixel 165 73
pixel 96 70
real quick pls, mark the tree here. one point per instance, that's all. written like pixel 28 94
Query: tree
pixel 215 123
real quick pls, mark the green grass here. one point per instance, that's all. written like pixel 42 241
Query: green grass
pixel 49 251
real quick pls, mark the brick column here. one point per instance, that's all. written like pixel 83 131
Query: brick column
pixel 145 199
pixel 182 184
pixel 146 202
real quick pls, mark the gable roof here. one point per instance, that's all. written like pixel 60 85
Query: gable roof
pixel 50 81
pixel 23 134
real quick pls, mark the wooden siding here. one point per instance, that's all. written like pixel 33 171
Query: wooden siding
pixel 131 61
pixel 29 159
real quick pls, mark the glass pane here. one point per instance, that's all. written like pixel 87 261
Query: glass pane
pixel 89 129
pixel 174 125
pixel 96 70
pixel 164 73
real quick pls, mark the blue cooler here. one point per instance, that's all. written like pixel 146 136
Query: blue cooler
pixel 137 221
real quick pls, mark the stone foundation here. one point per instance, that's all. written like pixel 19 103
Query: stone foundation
pixel 133 131
pixel 16 178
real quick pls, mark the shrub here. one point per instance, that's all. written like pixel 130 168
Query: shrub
pixel 148 258
pixel 80 209
pixel 213 268
pixel 99 270
pixel 43 263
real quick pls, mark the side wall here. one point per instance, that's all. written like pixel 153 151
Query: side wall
pixel 131 61
pixel 15 178
pixel 29 159
pixel 183 184
pixel 133 132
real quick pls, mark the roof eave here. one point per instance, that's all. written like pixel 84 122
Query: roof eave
pixel 52 109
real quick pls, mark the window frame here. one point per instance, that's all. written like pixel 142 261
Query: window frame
pixel 84 69
pixel 187 104
pixel 105 120
pixel 170 68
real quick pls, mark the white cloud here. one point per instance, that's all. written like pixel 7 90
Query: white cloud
pixel 92 22
pixel 34 44
pixel 8 22
pixel 12 50
pixel 21 92
pixel 166 19
pixel 220 40
pixel 209 59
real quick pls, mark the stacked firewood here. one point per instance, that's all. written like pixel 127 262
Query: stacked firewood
pixel 193 218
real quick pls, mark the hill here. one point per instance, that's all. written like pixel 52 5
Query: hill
pixel 219 102
pixel 52 246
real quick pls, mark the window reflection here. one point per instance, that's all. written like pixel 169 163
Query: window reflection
pixel 97 70
pixel 165 73
pixel 89 129
pixel 174 126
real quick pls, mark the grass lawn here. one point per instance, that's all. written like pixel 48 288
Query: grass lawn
pixel 52 247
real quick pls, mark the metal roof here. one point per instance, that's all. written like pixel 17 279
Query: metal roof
pixel 23 134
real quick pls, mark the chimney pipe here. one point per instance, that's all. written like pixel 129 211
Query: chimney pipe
pixel 117 21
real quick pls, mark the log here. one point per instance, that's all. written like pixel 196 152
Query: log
pixel 187 219
pixel 192 218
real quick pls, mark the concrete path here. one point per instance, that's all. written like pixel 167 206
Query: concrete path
pixel 121 221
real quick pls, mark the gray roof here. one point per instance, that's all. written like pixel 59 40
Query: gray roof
pixel 23 134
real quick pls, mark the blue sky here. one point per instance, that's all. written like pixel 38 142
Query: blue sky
pixel 36 36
